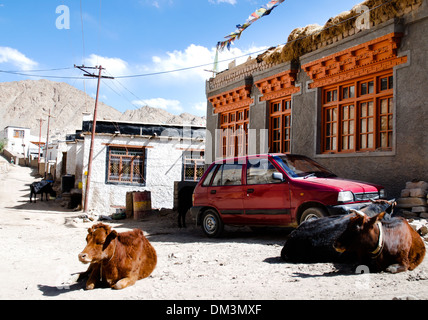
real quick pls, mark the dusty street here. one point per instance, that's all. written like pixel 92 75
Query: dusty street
pixel 40 247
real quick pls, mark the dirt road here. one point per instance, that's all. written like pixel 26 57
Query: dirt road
pixel 40 248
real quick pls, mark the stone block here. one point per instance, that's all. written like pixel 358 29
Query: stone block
pixel 411 202
pixel 420 209
pixel 418 184
pixel 418 193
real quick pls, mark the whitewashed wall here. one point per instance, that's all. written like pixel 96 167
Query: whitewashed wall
pixel 163 167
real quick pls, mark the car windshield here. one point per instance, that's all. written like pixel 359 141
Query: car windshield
pixel 302 167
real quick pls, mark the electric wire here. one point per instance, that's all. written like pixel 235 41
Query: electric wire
pixel 201 65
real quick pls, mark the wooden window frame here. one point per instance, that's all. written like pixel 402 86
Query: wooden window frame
pixel 280 112
pixel 378 138
pixel 18 134
pixel 234 132
pixel 127 156
pixel 195 161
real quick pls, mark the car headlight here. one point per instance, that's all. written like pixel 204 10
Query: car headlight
pixel 382 194
pixel 345 196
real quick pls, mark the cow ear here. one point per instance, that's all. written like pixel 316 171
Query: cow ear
pixel 377 218
pixel 111 236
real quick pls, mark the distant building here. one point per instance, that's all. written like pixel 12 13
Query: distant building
pixel 19 141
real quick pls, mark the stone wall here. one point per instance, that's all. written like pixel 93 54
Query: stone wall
pixel 406 160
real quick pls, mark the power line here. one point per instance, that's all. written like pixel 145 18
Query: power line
pixel 191 67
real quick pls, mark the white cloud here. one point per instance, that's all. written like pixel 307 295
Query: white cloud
pixel 169 105
pixel 200 107
pixel 198 59
pixel 192 56
pixel 233 2
pixel 16 58
pixel 156 3
pixel 114 66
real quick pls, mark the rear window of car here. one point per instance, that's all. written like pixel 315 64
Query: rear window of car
pixel 228 175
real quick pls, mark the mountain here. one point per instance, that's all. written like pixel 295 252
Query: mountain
pixel 22 103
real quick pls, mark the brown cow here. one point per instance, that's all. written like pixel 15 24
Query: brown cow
pixel 387 245
pixel 117 259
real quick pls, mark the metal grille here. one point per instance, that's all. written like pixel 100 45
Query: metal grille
pixel 366 196
pixel 193 165
pixel 126 165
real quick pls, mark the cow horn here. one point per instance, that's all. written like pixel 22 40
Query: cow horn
pixel 358 212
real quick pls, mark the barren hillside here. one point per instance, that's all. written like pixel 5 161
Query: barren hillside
pixel 23 102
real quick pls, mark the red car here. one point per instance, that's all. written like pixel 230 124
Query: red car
pixel 273 190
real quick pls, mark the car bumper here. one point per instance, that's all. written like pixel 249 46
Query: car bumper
pixel 345 208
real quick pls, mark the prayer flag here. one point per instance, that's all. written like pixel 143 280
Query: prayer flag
pixel 263 11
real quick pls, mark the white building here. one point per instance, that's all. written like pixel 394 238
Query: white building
pixel 137 157
pixel 18 140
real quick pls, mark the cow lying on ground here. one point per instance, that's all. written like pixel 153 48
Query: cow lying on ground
pixel 43 187
pixel 382 244
pixel 116 259
pixel 313 240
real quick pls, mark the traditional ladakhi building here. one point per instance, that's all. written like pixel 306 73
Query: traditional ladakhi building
pixel 351 95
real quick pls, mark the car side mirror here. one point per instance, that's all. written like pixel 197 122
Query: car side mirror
pixel 278 176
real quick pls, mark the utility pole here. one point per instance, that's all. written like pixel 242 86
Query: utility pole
pixel 94 123
pixel 47 144
pixel 40 141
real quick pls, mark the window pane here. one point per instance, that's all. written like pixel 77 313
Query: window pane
pixel 351 91
pixel 126 169
pixel 370 141
pixel 383 123
pixel 370 125
pixel 345 93
pixel 371 87
pixel 384 106
pixel 363 141
pixel 231 174
pixel 209 176
pixel 384 84
pixel 217 177
pixel 363 112
pixel 260 172
pixel 114 168
pixel 363 88
pixel 370 110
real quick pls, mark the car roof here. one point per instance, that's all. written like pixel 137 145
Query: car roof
pixel 263 155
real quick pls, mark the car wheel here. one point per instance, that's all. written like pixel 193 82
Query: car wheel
pixel 312 214
pixel 212 225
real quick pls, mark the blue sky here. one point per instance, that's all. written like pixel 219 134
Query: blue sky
pixel 143 37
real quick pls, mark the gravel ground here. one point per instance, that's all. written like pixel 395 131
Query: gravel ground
pixel 41 242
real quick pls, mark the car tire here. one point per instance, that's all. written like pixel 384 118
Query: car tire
pixel 212 225
pixel 311 214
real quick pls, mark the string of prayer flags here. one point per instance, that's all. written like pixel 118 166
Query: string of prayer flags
pixel 263 11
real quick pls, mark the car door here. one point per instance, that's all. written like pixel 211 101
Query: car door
pixel 226 192
pixel 267 198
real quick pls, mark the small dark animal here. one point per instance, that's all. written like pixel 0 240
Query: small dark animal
pixel 43 187
pixel 184 204
pixel 313 240
pixel 382 244
pixel 116 259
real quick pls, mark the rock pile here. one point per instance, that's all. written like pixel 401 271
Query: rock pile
pixel 413 205
pixel 413 199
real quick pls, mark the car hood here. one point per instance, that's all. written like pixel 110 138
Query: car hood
pixel 345 184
